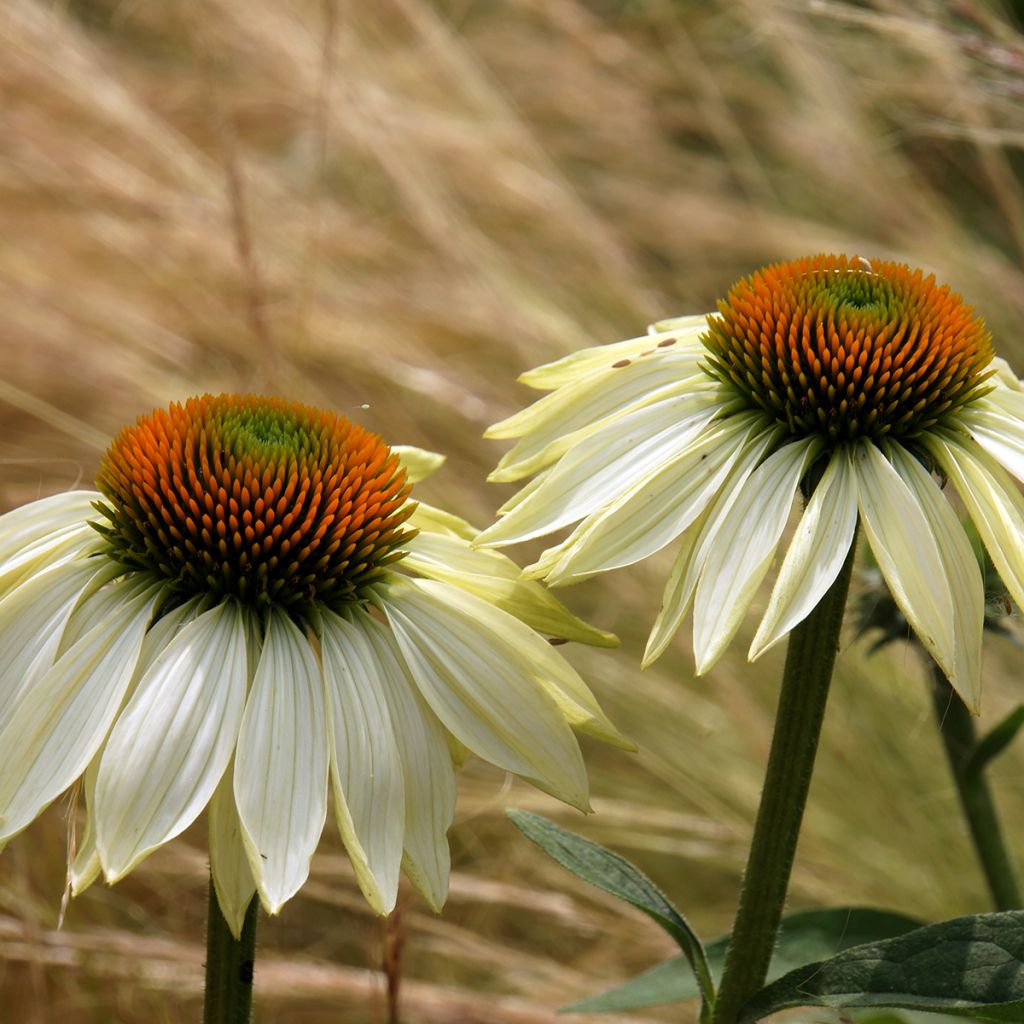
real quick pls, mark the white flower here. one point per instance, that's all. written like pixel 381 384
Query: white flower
pixel 223 625
pixel 853 382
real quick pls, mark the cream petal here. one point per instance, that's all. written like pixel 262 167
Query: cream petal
pixel 992 500
pixel 743 548
pixel 229 863
pixel 596 471
pixel 494 577
pixel 85 868
pixel 426 767
pixel 696 542
pixel 658 509
pixel 962 569
pixel 171 744
pixel 905 548
pixel 37 521
pixel 366 767
pixel 816 554
pixel 481 689
pixel 599 358
pixel 565 417
pixel 73 543
pixel 1001 435
pixel 281 763
pixel 557 677
pixel 428 519
pixel 418 463
pixel 59 724
pixel 33 617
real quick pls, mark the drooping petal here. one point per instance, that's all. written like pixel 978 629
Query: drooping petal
pixel 428 519
pixel 598 358
pixel 597 470
pixel 743 548
pixel 816 554
pixel 496 578
pixel 60 722
pixel 993 501
pixel 281 763
pixel 657 509
pixel 557 677
pixel 33 617
pixel 426 767
pixel 481 689
pixel 548 428
pixel 905 548
pixel 962 570
pixel 696 542
pixel 418 463
pixel 85 867
pixel 1001 435
pixel 38 520
pixel 366 767
pixel 229 862
pixel 73 543
pixel 171 744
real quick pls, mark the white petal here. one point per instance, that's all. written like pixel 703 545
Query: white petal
pixel 426 766
pixel 418 463
pixel 59 724
pixel 904 546
pixel 281 763
pixel 480 688
pixel 366 767
pixel 558 678
pixel 816 554
pixel 70 544
pixel 497 579
pixel 85 868
pixel 599 358
pixel 596 471
pixel 34 523
pixel 658 508
pixel 993 501
pixel 32 621
pixel 1001 435
pixel 743 548
pixel 171 744
pixel 565 417
pixel 229 862
pixel 428 519
pixel 962 569
pixel 696 542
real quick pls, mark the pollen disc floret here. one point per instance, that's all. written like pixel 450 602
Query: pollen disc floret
pixel 848 348
pixel 257 498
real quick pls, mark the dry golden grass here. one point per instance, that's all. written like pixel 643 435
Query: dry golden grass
pixel 402 204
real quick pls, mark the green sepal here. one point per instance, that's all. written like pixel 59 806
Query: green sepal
pixel 993 743
pixel 968 967
pixel 805 936
pixel 608 871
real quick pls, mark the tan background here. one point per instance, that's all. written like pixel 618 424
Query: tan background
pixel 403 204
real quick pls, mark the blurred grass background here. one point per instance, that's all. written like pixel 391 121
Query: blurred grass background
pixel 403 204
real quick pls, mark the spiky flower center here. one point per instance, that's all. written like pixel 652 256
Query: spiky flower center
pixel 257 498
pixel 848 348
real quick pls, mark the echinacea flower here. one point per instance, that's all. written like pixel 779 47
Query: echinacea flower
pixel 856 383
pixel 224 625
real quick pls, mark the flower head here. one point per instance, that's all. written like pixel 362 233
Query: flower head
pixel 249 610
pixel 852 381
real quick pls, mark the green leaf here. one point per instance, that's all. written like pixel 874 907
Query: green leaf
pixel 805 936
pixel 968 967
pixel 998 738
pixel 608 871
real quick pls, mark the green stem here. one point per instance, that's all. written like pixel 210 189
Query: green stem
pixel 229 965
pixel 956 727
pixel 805 683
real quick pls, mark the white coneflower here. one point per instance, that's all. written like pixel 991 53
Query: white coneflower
pixel 851 380
pixel 224 626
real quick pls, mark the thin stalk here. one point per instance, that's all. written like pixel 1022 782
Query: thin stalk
pixel 805 683
pixel 229 965
pixel 956 727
